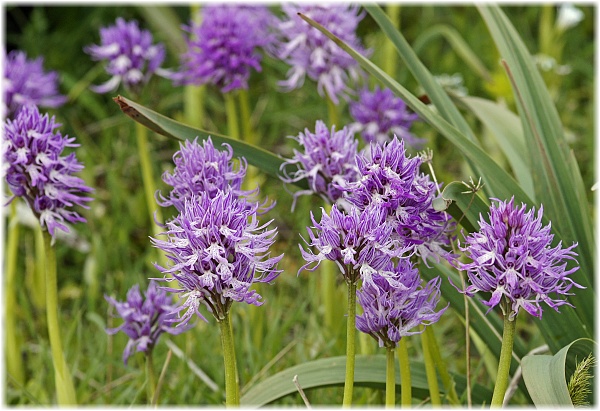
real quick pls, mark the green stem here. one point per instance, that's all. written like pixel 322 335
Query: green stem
pixel 38 286
pixel 14 363
pixel 405 379
pixel 432 382
pixel 440 364
pixel 502 377
pixel 390 379
pixel 390 53
pixel 141 133
pixel 193 107
pixel 150 378
pixel 251 181
pixel 232 398
pixel 65 390
pixel 232 120
pixel 350 344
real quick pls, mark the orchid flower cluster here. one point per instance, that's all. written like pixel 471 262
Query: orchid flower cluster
pixel 216 245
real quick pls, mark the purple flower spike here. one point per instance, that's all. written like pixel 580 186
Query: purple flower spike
pixel 36 171
pixel 391 180
pixel 359 242
pixel 512 259
pixel 380 115
pixel 392 309
pixel 217 251
pixel 26 83
pixel 202 168
pixel 131 56
pixel 328 157
pixel 310 53
pixel 145 319
pixel 223 49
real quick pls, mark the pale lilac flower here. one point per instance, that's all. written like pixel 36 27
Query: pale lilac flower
pixel 131 56
pixel 26 83
pixel 328 157
pixel 224 49
pixel 36 170
pixel 145 318
pixel 359 242
pixel 380 115
pixel 512 258
pixel 389 179
pixel 393 309
pixel 310 53
pixel 217 250
pixel 202 168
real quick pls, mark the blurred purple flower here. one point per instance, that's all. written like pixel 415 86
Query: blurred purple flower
pixel 311 53
pixel 202 168
pixel 223 49
pixel 131 56
pixel 145 319
pixel 380 115
pixel 390 179
pixel 26 83
pixel 218 250
pixel 328 157
pixel 391 309
pixel 359 242
pixel 36 171
pixel 512 258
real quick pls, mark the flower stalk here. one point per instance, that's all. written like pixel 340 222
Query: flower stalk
pixel 65 390
pixel 432 382
pixel 232 396
pixel 405 379
pixel 350 344
pixel 150 378
pixel 502 378
pixel 390 379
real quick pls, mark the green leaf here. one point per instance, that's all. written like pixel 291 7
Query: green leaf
pixel 263 159
pixel 508 132
pixel 556 176
pixel 466 206
pixel 327 372
pixel 546 375
pixel 460 46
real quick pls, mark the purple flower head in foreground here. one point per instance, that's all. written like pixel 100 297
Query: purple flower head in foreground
pixel 145 318
pixel 359 242
pixel 312 54
pixel 131 56
pixel 217 250
pixel 391 180
pixel 380 115
pixel 202 168
pixel 392 309
pixel 26 83
pixel 512 258
pixel 223 49
pixel 328 157
pixel 36 170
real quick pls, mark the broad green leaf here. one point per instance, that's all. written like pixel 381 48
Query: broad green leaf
pixel 508 132
pixel 546 375
pixel 327 372
pixel 263 159
pixel 460 46
pixel 503 184
pixel 556 176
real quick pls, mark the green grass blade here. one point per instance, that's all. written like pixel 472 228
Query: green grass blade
pixel 263 159
pixel 508 132
pixel 503 185
pixel 327 372
pixel 460 46
pixel 466 206
pixel 557 179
